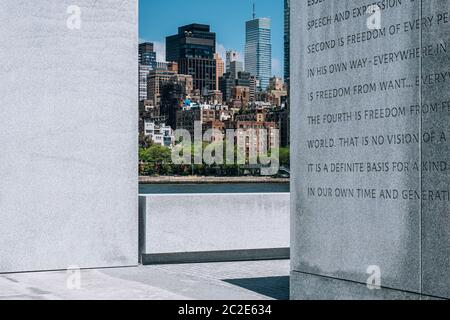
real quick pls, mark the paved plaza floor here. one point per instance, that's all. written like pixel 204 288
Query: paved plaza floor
pixel 256 280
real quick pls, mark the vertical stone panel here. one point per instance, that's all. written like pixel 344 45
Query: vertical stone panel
pixel 362 197
pixel 435 90
pixel 68 126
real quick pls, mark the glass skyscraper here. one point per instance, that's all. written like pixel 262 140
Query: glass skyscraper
pixel 147 55
pixel 147 63
pixel 258 50
pixel 193 48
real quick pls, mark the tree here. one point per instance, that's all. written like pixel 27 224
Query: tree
pixel 285 156
pixel 155 154
pixel 145 141
pixel 156 160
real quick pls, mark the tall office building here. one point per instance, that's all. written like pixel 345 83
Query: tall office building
pixel 229 81
pixel 231 56
pixel 147 63
pixel 235 68
pixel 144 71
pixel 157 78
pixel 147 55
pixel 220 69
pixel 258 50
pixel 226 84
pixel 193 48
pixel 287 34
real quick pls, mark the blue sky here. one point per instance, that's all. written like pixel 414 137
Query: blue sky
pixel 160 18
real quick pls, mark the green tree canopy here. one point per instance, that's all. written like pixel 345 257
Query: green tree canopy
pixel 155 154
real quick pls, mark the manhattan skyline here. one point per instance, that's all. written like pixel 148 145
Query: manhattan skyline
pixel 226 18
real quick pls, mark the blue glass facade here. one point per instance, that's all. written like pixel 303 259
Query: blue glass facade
pixel 258 50
pixel 147 55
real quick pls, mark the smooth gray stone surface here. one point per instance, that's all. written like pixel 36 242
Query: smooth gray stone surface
pixel 68 187
pixel 251 280
pixel 340 235
pixel 176 223
pixel 436 214
pixel 312 287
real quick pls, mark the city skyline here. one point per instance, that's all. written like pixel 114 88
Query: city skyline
pixel 227 19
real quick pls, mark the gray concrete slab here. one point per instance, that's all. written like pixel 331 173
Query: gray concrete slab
pixel 62 201
pixel 176 223
pixel 255 280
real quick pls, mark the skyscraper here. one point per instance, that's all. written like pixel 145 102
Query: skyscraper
pixel 147 63
pixel 231 56
pixel 287 33
pixel 258 50
pixel 230 81
pixel 193 48
pixel 156 79
pixel 144 71
pixel 235 68
pixel 220 69
pixel 147 55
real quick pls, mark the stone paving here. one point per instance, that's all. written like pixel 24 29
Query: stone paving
pixel 256 280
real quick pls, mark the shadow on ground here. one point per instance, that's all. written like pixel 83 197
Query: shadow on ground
pixel 273 287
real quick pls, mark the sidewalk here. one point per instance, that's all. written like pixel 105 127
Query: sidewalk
pixel 216 281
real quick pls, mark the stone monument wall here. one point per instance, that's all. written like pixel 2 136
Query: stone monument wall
pixel 68 144
pixel 370 90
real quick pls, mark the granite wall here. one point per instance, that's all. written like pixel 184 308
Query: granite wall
pixel 68 176
pixel 370 110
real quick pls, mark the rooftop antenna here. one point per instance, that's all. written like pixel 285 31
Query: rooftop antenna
pixel 254 11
